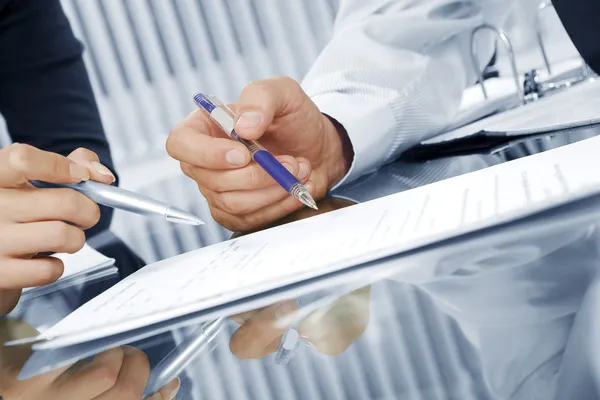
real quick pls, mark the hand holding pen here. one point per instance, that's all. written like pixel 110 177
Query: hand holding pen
pixel 276 113
pixel 225 118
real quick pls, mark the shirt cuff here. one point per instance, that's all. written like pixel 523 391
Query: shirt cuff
pixel 369 124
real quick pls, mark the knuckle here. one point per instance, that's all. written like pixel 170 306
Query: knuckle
pixel 94 214
pixel 77 241
pixel 77 208
pixel 49 270
pixel 70 203
pixel 106 375
pixel 171 144
pixel 82 152
pixel 255 177
pixel 56 166
pixel 65 237
pixel 288 82
pixel 226 203
pixel 252 221
pixel 225 220
pixel 213 184
pixel 59 232
pixel 186 169
pixel 20 156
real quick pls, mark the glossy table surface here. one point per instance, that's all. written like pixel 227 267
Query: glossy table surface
pixel 507 316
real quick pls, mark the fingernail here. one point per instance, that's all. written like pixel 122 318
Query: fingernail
pixel 310 187
pixel 78 172
pixel 102 169
pixel 249 119
pixel 303 171
pixel 284 310
pixel 288 167
pixel 235 158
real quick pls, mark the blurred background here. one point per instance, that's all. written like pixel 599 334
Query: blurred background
pixel 146 59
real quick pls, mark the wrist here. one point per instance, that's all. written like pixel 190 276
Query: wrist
pixel 339 152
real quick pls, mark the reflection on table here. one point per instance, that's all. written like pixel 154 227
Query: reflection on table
pixel 483 319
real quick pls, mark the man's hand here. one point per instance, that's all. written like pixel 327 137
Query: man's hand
pixel 330 330
pixel 36 221
pixel 241 195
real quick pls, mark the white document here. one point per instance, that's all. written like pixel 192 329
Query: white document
pixel 269 259
pixel 574 107
pixel 87 262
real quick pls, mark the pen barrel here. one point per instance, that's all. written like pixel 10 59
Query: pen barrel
pixel 112 196
pixel 277 171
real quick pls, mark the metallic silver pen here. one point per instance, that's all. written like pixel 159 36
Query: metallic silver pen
pixel 179 358
pixel 115 197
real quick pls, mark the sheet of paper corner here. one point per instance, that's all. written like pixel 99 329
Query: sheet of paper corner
pixel 163 280
pixel 544 115
pixel 84 261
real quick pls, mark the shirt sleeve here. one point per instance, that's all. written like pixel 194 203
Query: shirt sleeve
pixel 394 72
pixel 45 94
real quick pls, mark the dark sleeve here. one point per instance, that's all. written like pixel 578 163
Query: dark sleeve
pixel 45 94
pixel 580 19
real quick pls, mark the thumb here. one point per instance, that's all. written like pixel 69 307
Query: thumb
pixel 21 163
pixel 261 102
pixel 89 160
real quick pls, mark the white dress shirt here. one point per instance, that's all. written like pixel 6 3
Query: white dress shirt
pixel 393 75
pixel 394 71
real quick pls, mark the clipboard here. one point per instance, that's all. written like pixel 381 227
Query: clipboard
pixel 457 140
pixel 547 222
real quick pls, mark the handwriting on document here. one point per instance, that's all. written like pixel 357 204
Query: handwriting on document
pixel 268 259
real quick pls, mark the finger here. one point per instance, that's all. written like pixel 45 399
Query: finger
pixel 244 317
pixel 259 218
pixel 261 334
pixel 32 205
pixel 167 392
pixel 245 202
pixel 95 378
pixel 41 237
pixel 20 163
pixel 18 273
pixel 88 159
pixel 132 378
pixel 189 145
pixel 251 177
pixel 331 331
pixel 260 101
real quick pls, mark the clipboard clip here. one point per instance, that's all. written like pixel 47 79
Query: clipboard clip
pixel 501 34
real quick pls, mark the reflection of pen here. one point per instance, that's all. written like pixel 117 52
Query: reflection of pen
pixel 177 360
pixel 287 347
pixel 289 343
pixel 115 197
pixel 225 119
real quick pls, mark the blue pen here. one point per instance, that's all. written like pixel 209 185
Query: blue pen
pixel 225 119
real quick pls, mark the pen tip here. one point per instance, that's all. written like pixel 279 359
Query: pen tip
pixel 178 216
pixel 308 201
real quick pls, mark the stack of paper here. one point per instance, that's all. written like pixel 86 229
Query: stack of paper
pixel 242 270
pixel 82 267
